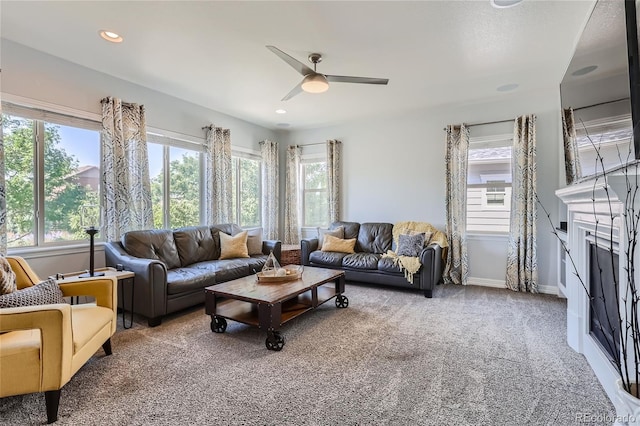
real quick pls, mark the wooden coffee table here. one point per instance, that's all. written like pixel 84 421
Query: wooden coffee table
pixel 269 306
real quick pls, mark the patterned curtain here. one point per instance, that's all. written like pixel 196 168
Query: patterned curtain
pixel 270 189
pixel 572 166
pixel 522 262
pixel 217 183
pixel 456 270
pixel 333 178
pixel 125 169
pixel 292 194
pixel 3 195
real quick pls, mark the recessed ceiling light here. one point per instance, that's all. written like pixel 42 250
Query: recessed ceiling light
pixel 281 111
pixel 508 87
pixel 585 70
pixel 503 4
pixel 283 124
pixel 111 36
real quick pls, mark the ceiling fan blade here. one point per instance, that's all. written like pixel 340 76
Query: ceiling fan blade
pixel 295 91
pixel 347 79
pixel 296 64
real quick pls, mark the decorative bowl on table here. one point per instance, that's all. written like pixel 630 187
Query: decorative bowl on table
pixel 283 274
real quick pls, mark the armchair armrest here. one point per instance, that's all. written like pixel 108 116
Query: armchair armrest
pixel 104 289
pixel 54 323
pixel 307 246
pixel 272 245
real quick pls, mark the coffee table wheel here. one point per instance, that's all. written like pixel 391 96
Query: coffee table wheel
pixel 274 341
pixel 218 324
pixel 341 301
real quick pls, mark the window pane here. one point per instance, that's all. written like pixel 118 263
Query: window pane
pixel 184 184
pixel 71 182
pixel 315 175
pixel 316 207
pixel 19 165
pixel 249 192
pixel 315 196
pixel 156 173
pixel 489 186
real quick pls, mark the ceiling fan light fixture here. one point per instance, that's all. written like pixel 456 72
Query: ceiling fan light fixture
pixel 315 83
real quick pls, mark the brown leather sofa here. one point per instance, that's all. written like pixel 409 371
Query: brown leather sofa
pixel 367 264
pixel 172 267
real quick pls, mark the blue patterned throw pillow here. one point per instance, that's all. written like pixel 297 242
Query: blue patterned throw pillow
pixel 45 293
pixel 410 245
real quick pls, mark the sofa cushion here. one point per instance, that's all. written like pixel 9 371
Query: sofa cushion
pixel 194 244
pixel 351 229
pixel 155 244
pixel 375 237
pixel 410 245
pixel 332 243
pixel 327 258
pixel 45 293
pixel 337 232
pixel 254 241
pixel 361 261
pixel 385 264
pixel 7 277
pixel 196 276
pixel 230 269
pixel 233 247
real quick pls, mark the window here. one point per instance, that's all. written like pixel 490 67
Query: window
pixel 52 173
pixel 246 182
pixel 489 184
pixel 315 204
pixel 175 169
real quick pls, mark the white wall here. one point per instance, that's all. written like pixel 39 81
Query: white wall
pixel 394 170
pixel 27 73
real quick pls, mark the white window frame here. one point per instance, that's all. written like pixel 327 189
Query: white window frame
pixel 249 154
pixel 40 113
pixel 168 140
pixel 309 159
pixel 497 140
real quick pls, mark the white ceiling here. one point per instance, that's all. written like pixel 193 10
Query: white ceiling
pixel 213 53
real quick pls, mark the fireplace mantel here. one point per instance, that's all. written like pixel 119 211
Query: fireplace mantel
pixel 595 209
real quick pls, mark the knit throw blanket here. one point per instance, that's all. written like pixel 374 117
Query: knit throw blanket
pixel 407 264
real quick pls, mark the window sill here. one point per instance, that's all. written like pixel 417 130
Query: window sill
pixel 48 251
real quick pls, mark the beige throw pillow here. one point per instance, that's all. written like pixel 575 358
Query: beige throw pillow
pixel 233 247
pixel 338 233
pixel 339 245
pixel 7 277
pixel 254 241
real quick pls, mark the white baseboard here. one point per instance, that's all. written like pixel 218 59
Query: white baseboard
pixel 487 282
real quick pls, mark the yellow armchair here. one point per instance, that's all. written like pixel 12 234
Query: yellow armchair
pixel 42 347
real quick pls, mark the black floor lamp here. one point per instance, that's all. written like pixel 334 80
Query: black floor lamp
pixel 92 231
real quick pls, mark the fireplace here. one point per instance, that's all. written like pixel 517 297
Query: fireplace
pixel 603 288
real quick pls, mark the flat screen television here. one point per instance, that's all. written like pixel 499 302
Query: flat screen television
pixel 602 85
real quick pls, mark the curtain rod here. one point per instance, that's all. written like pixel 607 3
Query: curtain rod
pixel 309 144
pixel 601 103
pixel 105 100
pixel 485 123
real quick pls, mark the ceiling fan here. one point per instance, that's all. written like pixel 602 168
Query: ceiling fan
pixel 313 81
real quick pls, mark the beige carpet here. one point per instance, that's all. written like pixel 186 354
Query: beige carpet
pixel 469 356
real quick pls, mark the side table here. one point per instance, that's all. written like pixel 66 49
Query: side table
pixel 121 276
pixel 290 254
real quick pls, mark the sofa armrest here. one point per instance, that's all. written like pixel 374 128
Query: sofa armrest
pixel 274 246
pixel 54 323
pixel 150 280
pixel 307 246
pixel 431 259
